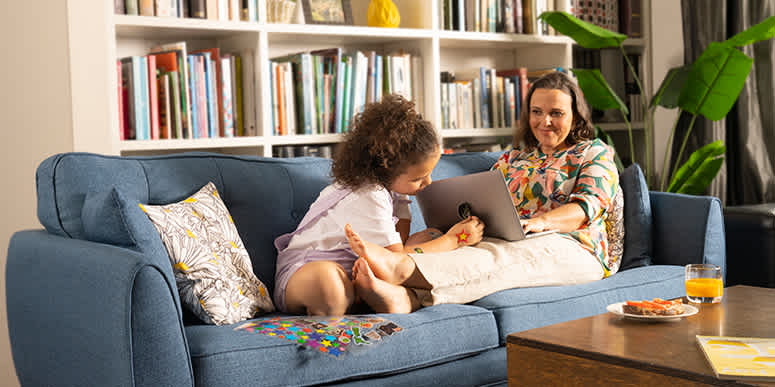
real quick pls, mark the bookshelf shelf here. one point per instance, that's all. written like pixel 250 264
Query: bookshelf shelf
pixel 304 139
pixel 476 132
pixel 98 37
pixel 151 27
pixel 456 39
pixel 191 144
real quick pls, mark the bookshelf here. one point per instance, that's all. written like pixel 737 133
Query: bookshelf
pixel 99 37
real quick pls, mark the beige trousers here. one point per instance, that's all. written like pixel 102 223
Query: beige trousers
pixel 470 273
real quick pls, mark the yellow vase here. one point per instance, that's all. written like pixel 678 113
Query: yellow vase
pixel 383 13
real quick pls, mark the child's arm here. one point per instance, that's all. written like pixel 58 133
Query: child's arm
pixel 465 233
pixel 403 226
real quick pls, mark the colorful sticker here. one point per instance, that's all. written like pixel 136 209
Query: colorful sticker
pixel 333 336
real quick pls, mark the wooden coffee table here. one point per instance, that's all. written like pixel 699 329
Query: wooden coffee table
pixel 608 349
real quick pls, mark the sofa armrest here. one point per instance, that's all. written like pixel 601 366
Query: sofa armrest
pixel 90 314
pixel 687 229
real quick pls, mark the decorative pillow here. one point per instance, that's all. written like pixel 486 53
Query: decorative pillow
pixel 637 218
pixel 212 268
pixel 614 227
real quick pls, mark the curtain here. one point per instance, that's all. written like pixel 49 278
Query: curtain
pixel 748 131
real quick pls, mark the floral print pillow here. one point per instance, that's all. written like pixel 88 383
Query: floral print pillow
pixel 212 268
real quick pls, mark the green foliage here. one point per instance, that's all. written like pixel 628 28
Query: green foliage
pixel 715 81
pixel 597 92
pixel 708 87
pixel 697 173
pixel 585 34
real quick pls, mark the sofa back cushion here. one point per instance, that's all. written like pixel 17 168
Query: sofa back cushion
pixel 637 219
pixel 265 196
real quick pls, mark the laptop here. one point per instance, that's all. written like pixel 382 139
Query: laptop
pixel 484 194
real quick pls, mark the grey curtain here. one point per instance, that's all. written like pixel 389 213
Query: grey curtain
pixel 748 175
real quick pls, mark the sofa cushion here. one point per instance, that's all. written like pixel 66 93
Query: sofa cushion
pixel 213 271
pixel 439 334
pixel 637 219
pixel 526 308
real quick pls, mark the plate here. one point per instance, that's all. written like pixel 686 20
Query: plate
pixel 617 310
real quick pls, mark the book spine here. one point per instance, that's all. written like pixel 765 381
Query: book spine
pixel 176 103
pixel 194 98
pixel 227 120
pixel 518 21
pixel 153 93
pixel 131 7
pixel 119 7
pixel 339 82
pixel 145 96
pixel 146 7
pixel 485 100
pixel 290 99
pixel 164 8
pixel 197 9
pixel 347 92
pixel 508 16
pixel 303 85
pixel 164 106
pixel 273 87
pixel 121 109
pixel 240 99
pixel 128 81
pixel 211 9
pixel 248 93
pixel 203 100
pixel 212 98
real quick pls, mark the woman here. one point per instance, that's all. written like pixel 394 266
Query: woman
pixel 560 178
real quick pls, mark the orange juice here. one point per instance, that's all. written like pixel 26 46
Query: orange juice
pixel 704 287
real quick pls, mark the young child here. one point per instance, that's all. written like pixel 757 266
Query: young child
pixel 388 153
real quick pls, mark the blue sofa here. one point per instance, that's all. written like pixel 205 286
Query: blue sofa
pixel 83 312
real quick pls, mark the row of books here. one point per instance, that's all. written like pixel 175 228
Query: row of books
pixel 288 151
pixel 491 100
pixel 507 16
pixel 223 10
pixel 318 92
pixel 171 93
pixel 521 16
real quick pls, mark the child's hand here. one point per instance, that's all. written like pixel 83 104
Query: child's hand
pixel 468 231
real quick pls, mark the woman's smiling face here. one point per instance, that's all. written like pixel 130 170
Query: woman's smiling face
pixel 551 118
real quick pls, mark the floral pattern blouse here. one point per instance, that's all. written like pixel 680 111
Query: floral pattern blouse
pixel 583 173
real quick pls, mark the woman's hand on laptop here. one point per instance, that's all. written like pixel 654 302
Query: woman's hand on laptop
pixel 536 224
pixel 467 232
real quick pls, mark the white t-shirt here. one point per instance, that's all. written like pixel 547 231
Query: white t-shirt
pixel 370 211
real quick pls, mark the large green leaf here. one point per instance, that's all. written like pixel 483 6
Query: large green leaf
pixel 596 90
pixel 587 35
pixel 601 134
pixel 670 89
pixel 694 177
pixel 715 81
pixel 762 31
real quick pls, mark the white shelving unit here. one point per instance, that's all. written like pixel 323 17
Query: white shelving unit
pixel 98 37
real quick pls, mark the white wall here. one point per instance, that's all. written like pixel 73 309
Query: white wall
pixel 667 51
pixel 35 121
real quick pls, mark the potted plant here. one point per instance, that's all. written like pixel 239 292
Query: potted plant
pixel 708 87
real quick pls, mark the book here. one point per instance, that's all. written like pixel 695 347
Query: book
pixel 153 96
pixel 179 48
pixel 740 358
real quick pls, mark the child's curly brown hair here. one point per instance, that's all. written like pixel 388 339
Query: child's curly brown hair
pixel 383 141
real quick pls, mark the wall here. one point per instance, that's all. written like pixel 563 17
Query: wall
pixel 35 121
pixel 667 51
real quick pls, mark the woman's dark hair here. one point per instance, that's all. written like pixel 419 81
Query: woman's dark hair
pixel 383 141
pixel 582 124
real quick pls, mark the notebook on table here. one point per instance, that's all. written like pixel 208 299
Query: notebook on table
pixel 485 195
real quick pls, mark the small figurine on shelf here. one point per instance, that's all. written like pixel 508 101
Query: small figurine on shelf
pixel 383 13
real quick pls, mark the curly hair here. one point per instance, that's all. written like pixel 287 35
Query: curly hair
pixel 582 123
pixel 383 141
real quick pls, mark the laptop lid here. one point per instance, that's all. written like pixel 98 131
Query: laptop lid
pixel 485 195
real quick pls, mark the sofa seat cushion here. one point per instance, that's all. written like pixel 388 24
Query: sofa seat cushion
pixel 526 308
pixel 223 356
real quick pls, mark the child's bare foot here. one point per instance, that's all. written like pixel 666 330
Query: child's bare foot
pixel 381 296
pixel 386 265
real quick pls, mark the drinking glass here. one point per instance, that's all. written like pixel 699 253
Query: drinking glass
pixel 703 283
